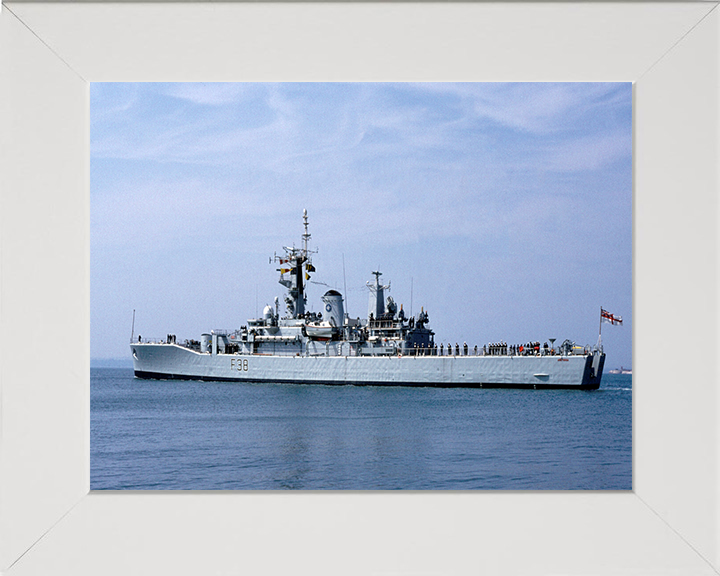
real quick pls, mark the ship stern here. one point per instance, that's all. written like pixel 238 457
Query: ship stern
pixel 593 370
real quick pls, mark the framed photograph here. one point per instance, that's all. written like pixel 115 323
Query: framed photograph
pixel 361 238
pixel 50 520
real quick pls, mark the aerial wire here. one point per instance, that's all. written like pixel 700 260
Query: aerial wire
pixel 345 284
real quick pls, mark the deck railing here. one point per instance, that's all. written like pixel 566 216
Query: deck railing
pixel 502 349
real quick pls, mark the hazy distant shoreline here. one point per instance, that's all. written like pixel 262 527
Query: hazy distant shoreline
pixel 111 363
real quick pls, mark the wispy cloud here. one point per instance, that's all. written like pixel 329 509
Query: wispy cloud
pixel 535 107
pixel 209 94
pixel 276 126
pixel 589 152
pixel 424 153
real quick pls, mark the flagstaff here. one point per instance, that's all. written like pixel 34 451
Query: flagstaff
pixel 605 316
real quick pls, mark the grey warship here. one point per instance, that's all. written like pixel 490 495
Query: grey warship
pixel 385 349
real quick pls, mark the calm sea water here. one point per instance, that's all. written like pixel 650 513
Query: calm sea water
pixel 169 435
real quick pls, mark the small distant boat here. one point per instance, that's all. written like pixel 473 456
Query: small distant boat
pixel 621 370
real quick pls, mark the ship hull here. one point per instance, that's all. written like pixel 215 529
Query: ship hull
pixel 171 361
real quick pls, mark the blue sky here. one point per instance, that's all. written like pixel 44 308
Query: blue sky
pixel 505 209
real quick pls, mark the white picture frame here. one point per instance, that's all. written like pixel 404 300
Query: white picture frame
pixel 51 523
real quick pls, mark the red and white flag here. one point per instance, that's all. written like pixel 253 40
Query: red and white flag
pixel 611 318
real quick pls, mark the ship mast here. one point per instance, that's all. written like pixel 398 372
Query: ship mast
pixel 305 236
pixel 376 305
pixel 298 263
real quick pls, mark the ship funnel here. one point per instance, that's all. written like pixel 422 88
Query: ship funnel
pixel 334 312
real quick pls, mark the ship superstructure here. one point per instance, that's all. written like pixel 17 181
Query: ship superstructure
pixel 329 347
